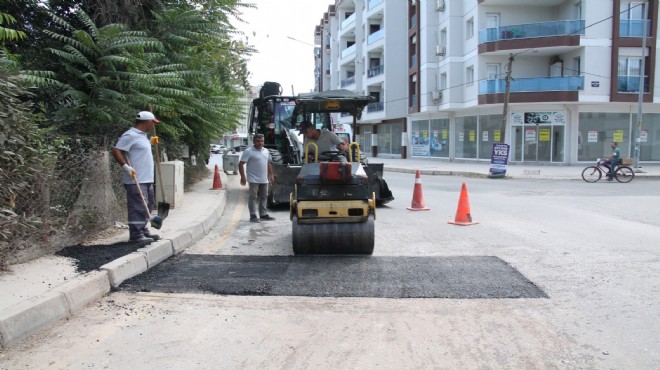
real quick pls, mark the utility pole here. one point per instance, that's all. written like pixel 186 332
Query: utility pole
pixel 507 91
pixel 640 100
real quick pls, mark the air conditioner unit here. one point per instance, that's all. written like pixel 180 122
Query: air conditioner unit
pixel 413 2
pixel 440 50
pixel 440 5
pixel 436 95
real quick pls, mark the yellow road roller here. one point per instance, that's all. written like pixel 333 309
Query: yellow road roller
pixel 333 205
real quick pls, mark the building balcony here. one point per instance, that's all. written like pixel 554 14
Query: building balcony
pixel 630 84
pixel 375 71
pixel 634 28
pixel 348 51
pixel 533 35
pixel 376 107
pixel 348 21
pixel 528 90
pixel 347 82
pixel 378 35
pixel 374 3
pixel 533 84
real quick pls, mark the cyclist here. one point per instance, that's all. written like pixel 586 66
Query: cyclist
pixel 613 160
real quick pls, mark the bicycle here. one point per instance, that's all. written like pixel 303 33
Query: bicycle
pixel 594 173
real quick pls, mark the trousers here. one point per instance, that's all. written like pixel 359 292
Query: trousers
pixel 257 199
pixel 138 217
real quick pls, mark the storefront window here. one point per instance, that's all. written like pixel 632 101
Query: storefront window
pixel 439 142
pixel 420 139
pixel 490 131
pixel 466 137
pixel 389 139
pixel 596 132
pixel 649 137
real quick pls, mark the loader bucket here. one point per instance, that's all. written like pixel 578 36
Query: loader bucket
pixel 378 185
pixel 285 180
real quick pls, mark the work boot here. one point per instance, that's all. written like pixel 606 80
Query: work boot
pixel 141 239
pixel 155 237
pixel 267 218
pixel 253 218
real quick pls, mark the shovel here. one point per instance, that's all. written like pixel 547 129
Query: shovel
pixel 163 207
pixel 156 221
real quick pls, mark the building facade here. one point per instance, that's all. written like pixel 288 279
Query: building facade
pixel 557 80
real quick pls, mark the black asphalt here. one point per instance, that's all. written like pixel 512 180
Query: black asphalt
pixel 337 276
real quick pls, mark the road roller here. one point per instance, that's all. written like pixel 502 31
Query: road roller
pixel 332 208
pixel 333 203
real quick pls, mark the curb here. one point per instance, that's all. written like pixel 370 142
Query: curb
pixel 38 313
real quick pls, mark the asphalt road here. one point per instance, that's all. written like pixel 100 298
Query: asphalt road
pixel 589 249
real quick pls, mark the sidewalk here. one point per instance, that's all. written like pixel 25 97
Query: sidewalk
pixel 37 294
pixel 433 166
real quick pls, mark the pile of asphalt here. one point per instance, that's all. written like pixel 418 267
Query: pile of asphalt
pixel 92 257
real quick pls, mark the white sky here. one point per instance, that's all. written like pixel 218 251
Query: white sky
pixel 280 59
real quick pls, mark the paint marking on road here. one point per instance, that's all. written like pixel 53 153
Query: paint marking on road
pixel 233 222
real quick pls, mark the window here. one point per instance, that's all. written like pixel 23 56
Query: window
pixel 493 71
pixel 469 28
pixel 577 66
pixel 493 20
pixel 629 74
pixel 443 37
pixel 443 81
pixel 469 75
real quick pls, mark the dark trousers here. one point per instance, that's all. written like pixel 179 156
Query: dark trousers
pixel 613 163
pixel 138 217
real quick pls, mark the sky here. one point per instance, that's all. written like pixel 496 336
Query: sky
pixel 283 34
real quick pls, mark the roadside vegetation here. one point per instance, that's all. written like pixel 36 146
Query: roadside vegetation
pixel 73 73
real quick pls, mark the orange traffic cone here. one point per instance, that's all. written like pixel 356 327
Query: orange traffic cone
pixel 418 200
pixel 463 215
pixel 217 182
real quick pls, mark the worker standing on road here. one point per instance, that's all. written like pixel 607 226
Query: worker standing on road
pixel 256 160
pixel 134 147
pixel 613 160
pixel 327 141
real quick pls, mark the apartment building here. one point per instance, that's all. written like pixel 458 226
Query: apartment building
pixel 362 49
pixel 573 68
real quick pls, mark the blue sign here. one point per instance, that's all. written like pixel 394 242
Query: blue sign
pixel 499 159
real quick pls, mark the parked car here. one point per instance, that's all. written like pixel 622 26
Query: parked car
pixel 217 148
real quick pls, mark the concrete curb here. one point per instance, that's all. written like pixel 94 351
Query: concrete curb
pixel 38 313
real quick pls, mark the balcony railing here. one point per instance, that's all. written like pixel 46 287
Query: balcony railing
pixel 378 35
pixel 558 28
pixel 532 85
pixel 348 51
pixel 348 81
pixel 374 3
pixel 375 71
pixel 376 107
pixel 347 22
pixel 633 28
pixel 630 84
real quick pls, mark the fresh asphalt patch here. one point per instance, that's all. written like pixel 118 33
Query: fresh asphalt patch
pixel 459 277
pixel 92 257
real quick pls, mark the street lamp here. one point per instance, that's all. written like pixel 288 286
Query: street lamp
pixel 640 100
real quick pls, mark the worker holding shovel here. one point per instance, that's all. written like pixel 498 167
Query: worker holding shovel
pixel 133 153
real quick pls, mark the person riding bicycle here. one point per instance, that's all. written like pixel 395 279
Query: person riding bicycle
pixel 613 160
